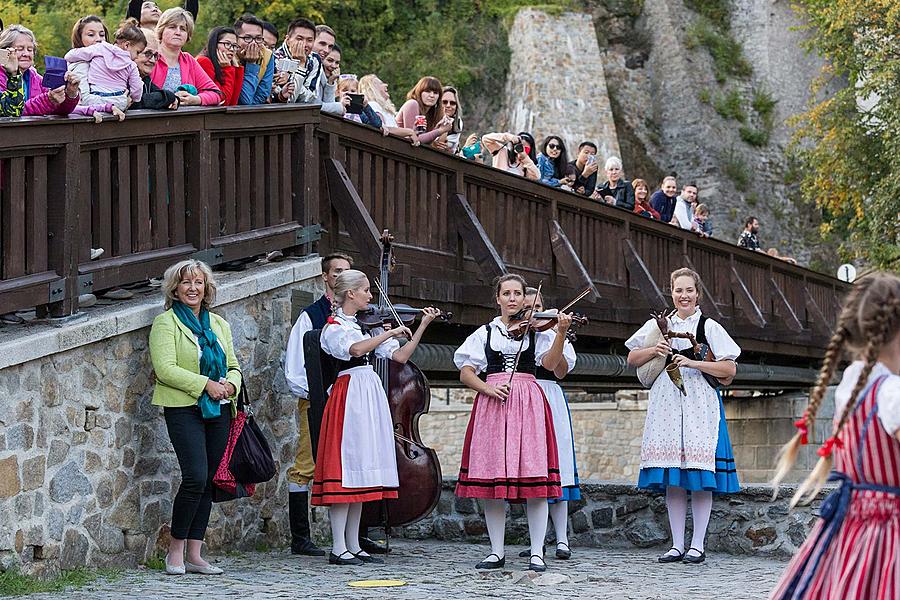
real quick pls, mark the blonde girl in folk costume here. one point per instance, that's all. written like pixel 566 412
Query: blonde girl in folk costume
pixel 562 426
pixel 509 452
pixel 854 549
pixel 686 446
pixel 356 461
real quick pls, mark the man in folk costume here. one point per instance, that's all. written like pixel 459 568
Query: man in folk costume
pixel 300 474
pixel 686 445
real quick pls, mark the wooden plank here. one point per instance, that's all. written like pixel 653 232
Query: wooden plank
pixel 639 273
pixel 570 261
pixel 244 198
pixel 259 184
pixel 140 199
pixel 122 212
pixel 160 196
pixel 353 213
pixel 274 213
pixel 473 234
pixel 783 308
pixel 230 192
pixel 177 188
pixel 101 203
pixel 818 322
pixel 746 300
pixel 291 209
pixel 14 222
pixel 36 251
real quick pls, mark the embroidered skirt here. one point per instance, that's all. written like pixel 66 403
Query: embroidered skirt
pixel 357 460
pixel 723 480
pixel 510 449
pixel 565 440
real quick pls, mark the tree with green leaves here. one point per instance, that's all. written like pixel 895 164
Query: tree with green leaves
pixel 848 143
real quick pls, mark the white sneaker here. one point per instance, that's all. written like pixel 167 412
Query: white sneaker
pixel 96 253
pixel 202 570
pixel 172 569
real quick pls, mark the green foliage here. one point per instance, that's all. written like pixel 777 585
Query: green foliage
pixel 717 11
pixel 753 136
pixel 736 170
pixel 764 104
pixel 726 52
pixel 730 106
pixel 704 96
pixel 156 563
pixel 13 583
pixel 850 157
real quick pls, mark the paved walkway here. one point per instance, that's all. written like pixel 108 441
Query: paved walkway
pixel 443 571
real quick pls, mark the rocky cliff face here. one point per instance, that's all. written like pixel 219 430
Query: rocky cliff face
pixel 673 110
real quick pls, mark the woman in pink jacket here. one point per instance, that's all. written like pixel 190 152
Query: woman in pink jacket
pixel 178 71
pixel 38 99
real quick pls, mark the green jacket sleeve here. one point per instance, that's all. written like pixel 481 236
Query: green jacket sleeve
pixel 233 376
pixel 164 358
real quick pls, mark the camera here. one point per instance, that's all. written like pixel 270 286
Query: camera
pixel 519 147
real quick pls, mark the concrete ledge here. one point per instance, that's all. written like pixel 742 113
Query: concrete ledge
pixel 23 343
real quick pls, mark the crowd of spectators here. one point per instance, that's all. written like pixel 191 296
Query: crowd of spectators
pixel 143 65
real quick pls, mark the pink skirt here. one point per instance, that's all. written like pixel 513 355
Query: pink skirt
pixel 510 448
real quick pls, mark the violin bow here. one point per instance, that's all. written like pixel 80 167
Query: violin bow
pixel 387 301
pixel 583 293
pixel 528 312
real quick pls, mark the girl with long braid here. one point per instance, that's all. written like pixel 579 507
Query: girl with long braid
pixel 854 550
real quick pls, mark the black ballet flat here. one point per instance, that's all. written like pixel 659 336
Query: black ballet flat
pixel 370 546
pixel 668 558
pixel 563 553
pixel 694 560
pixel 527 552
pixel 334 559
pixel 366 558
pixel 537 568
pixel 487 564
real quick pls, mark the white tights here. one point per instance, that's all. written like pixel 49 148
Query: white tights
pixel 495 518
pixel 559 515
pixel 701 508
pixel 344 520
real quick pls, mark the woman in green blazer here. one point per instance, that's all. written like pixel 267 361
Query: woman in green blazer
pixel 197 380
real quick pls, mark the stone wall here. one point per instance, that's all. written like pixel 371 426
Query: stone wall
pixel 87 472
pixel 616 515
pixel 556 83
pixel 608 434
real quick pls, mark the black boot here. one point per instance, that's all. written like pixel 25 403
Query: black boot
pixel 298 513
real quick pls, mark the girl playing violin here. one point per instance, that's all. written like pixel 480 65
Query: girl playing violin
pixel 362 465
pixel 509 452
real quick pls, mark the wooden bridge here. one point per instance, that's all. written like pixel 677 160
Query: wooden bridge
pixel 227 183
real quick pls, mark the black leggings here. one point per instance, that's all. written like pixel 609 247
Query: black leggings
pixel 199 445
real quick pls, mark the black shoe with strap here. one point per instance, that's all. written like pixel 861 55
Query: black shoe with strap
pixel 563 552
pixel 527 552
pixel 370 546
pixel 346 558
pixel 298 515
pixel 367 558
pixel 671 558
pixel 491 564
pixel 694 560
pixel 538 567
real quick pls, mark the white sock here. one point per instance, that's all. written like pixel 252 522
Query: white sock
pixel 351 535
pixel 676 505
pixel 537 511
pixel 559 514
pixel 701 508
pixel 495 519
pixel 337 515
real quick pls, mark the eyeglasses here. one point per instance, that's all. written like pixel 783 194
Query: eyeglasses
pixel 229 45
pixel 448 102
pixel 554 147
pixel 252 38
pixel 150 55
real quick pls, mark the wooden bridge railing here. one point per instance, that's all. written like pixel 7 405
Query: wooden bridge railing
pixel 227 183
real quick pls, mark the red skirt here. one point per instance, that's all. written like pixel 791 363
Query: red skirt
pixel 513 443
pixel 327 485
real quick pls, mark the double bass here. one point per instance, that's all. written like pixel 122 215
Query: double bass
pixel 409 398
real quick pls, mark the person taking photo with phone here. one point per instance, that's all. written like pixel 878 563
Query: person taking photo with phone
pixel 512 153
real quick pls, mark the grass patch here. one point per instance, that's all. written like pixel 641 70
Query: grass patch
pixel 704 96
pixel 764 104
pixel 753 136
pixel 736 170
pixel 156 563
pixel 730 105
pixel 726 52
pixel 13 583
pixel 717 11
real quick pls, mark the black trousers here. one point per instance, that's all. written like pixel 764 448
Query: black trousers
pixel 199 445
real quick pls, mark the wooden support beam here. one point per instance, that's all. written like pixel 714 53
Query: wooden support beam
pixel 783 308
pixel 745 300
pixel 473 234
pixel 570 261
pixel 641 275
pixel 345 199
pixel 819 323
pixel 707 300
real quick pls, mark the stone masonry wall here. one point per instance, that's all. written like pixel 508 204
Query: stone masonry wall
pixel 87 472
pixel 615 515
pixel 608 434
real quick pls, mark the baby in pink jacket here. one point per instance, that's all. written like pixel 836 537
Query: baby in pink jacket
pixel 113 76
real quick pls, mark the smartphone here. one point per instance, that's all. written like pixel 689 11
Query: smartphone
pixel 356 104
pixel 287 64
pixel 591 159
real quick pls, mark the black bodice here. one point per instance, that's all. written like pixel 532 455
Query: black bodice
pixel 497 362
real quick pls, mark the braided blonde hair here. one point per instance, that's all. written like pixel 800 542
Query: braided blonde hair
pixel 870 319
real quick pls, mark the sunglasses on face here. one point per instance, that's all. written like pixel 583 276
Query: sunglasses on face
pixel 150 54
pixel 448 102
pixel 553 147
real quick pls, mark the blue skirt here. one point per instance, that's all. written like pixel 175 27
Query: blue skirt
pixel 723 481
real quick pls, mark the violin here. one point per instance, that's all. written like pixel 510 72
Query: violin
pixel 524 321
pixel 377 316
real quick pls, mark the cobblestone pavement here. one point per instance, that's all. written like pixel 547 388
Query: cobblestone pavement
pixel 435 570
